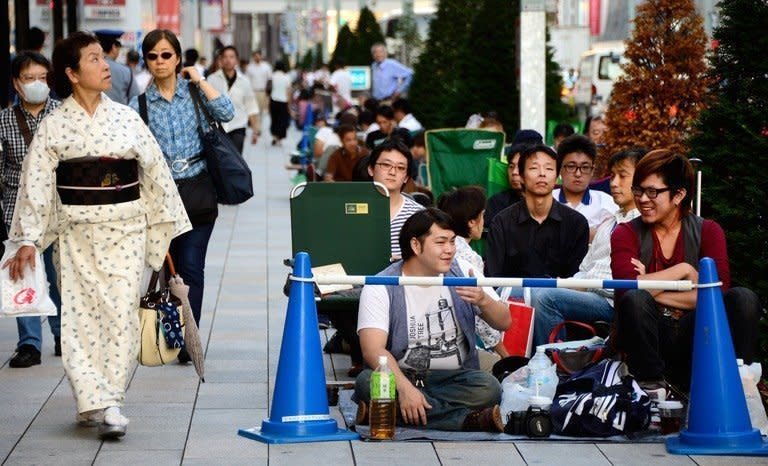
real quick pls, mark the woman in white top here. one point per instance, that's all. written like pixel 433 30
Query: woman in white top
pixel 278 103
pixel 389 164
pixel 466 207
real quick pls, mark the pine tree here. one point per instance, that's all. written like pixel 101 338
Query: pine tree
pixel 367 33
pixel 408 35
pixel 663 87
pixel 732 140
pixel 487 67
pixel 344 44
pixel 435 83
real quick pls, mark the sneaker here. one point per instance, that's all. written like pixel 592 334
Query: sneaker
pixel 26 356
pixel 361 418
pixel 657 390
pixel 484 420
pixel 323 321
pixel 57 346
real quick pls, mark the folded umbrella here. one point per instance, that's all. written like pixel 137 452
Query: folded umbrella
pixel 191 332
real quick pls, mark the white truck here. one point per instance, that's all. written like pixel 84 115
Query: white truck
pixel 599 68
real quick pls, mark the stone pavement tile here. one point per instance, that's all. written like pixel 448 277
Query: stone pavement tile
pixel 335 453
pixel 477 453
pixel 571 453
pixel 225 461
pixel 66 441
pixel 108 457
pixel 46 457
pixel 139 441
pixel 229 370
pixel 392 453
pixel 232 396
pixel 213 435
pixel 7 442
pixel 729 460
pixel 641 453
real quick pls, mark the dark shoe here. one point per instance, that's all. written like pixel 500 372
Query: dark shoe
pixel 361 418
pixel 355 370
pixel 26 356
pixel 336 345
pixel 184 356
pixel 57 346
pixel 323 322
pixel 484 420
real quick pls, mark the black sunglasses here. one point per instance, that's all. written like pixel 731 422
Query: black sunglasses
pixel 152 56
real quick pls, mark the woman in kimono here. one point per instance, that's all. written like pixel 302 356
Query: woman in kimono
pixel 95 184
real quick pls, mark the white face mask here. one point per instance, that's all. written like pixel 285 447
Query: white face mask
pixel 35 92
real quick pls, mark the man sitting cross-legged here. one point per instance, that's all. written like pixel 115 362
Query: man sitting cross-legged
pixel 554 305
pixel 428 334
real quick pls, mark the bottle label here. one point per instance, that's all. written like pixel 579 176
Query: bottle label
pixel 382 386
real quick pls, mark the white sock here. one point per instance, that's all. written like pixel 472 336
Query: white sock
pixel 113 417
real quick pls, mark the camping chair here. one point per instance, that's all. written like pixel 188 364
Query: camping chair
pixel 346 223
pixel 459 157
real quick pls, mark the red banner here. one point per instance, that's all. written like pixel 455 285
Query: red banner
pixel 594 17
pixel 168 15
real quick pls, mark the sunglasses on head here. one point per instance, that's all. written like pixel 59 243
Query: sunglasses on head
pixel 152 56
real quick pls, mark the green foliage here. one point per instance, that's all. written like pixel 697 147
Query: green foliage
pixel 307 60
pixel 487 66
pixel 732 141
pixel 367 33
pixel 344 42
pixel 408 34
pixel 436 82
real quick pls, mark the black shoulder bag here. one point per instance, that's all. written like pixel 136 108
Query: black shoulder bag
pixel 228 169
pixel 197 192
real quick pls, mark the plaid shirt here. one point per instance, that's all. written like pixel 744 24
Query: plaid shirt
pixel 175 127
pixel 13 151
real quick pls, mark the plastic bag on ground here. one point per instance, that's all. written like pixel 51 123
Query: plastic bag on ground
pixel 515 391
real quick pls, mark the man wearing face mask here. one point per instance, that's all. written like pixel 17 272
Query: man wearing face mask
pixel 18 124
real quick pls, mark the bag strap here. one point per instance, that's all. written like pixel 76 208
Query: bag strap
pixel 596 356
pixel 143 109
pixel 196 100
pixel 194 91
pixel 156 275
pixel 574 323
pixel 26 133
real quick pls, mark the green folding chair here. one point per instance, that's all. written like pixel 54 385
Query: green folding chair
pixel 459 157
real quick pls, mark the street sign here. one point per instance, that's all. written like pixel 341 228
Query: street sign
pixel 361 77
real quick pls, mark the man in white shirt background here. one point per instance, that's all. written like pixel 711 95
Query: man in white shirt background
pixel 228 81
pixel 404 117
pixel 341 84
pixel 260 74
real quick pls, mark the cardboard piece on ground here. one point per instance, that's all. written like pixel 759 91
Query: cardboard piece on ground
pixel 331 269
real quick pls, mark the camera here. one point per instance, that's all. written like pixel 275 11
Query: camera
pixel 535 422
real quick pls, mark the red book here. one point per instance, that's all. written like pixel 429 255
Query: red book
pixel 519 336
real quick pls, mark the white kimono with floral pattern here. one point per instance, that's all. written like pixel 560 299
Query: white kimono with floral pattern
pixel 101 250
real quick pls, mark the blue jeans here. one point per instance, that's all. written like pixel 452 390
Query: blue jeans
pixel 188 253
pixel 30 328
pixel 555 305
pixel 452 393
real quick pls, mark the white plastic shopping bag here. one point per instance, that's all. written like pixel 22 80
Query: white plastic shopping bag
pixel 27 296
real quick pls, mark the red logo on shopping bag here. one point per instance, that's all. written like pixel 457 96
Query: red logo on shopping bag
pixel 25 296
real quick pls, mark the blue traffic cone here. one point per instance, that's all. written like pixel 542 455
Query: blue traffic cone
pixel 300 402
pixel 718 420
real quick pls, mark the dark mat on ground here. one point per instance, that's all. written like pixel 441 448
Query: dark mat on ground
pixel 348 409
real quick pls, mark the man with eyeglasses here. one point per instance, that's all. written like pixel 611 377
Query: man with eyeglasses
pixel 577 160
pixel 18 124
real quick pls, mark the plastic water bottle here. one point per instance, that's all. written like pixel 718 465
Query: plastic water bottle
pixel 539 370
pixel 382 407
pixel 750 375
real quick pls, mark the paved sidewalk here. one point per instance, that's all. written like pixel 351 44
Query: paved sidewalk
pixel 177 420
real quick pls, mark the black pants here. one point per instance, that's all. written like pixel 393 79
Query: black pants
pixel 281 118
pixel 237 136
pixel 659 347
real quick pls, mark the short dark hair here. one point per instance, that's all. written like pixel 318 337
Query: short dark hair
pixel 366 117
pixel 401 104
pixel 529 151
pixel 385 111
pixel 191 56
pixel 344 129
pixel 67 54
pixel 23 59
pixel 155 36
pixel 674 169
pixel 633 154
pixel 576 143
pixel 371 104
pixel 230 47
pixel 391 144
pixel 563 129
pixel 418 226
pixel 132 56
pixel 462 205
pixel 35 38
pixel 280 65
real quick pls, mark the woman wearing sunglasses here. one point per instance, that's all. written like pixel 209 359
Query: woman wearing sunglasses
pixel 170 114
pixel 94 184
pixel 655 328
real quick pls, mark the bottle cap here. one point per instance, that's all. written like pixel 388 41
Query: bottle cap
pixel 541 349
pixel 539 401
pixel 382 360
pixel 739 362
